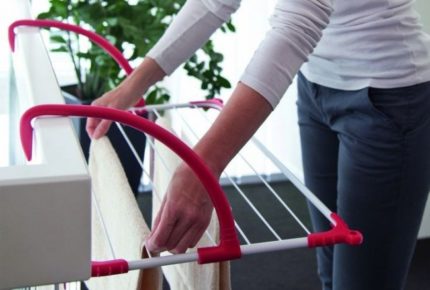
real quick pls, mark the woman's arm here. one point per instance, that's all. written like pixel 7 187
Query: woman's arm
pixel 126 94
pixel 296 29
pixel 191 28
pixel 186 209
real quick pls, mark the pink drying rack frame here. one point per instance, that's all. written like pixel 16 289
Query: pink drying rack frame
pixel 229 247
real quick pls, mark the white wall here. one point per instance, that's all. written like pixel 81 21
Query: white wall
pixel 423 8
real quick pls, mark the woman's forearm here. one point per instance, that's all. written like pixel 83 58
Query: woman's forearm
pixel 186 209
pixel 142 78
pixel 238 121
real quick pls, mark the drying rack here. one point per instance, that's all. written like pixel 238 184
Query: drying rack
pixel 229 246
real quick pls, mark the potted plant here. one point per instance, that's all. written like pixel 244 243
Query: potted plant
pixel 133 27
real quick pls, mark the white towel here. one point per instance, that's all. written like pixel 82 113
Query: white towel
pixel 122 227
pixel 188 276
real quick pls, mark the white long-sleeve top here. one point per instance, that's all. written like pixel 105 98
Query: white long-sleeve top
pixel 346 44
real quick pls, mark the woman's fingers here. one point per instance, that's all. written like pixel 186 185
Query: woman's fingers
pixel 178 229
pixel 161 231
pixel 183 216
pixel 91 126
pixel 158 217
pixel 186 230
pixel 189 240
pixel 97 128
pixel 102 128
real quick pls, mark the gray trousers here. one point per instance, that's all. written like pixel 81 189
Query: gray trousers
pixel 366 155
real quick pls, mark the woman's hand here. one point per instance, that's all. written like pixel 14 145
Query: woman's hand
pixel 97 128
pixel 186 209
pixel 125 95
pixel 184 214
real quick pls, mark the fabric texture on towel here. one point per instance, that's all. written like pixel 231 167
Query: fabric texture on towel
pixel 118 227
pixel 187 276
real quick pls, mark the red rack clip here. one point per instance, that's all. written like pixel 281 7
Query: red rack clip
pixel 228 249
pixel 340 233
pixel 107 268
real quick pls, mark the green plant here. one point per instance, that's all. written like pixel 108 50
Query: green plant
pixel 134 27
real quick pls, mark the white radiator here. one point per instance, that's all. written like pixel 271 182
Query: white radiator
pixel 45 205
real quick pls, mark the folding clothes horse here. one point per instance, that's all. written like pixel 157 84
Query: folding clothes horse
pixel 228 247
pixel 119 230
pixel 188 276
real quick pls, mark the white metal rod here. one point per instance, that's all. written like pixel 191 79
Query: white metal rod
pixel 155 190
pixel 162 261
pixel 239 229
pixel 269 187
pixel 169 170
pixel 245 249
pixel 237 188
pixel 163 162
pixel 237 226
pixel 157 195
pixel 133 150
pixel 160 107
pixel 136 155
pixel 257 212
pixel 296 181
pixel 274 246
pixel 102 222
pixel 163 107
pixel 303 189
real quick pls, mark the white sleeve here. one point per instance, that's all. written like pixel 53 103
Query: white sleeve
pixel 191 28
pixel 296 29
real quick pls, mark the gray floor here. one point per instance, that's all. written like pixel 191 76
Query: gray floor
pixel 290 269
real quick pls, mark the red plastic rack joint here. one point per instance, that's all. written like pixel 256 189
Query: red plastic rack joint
pixel 107 268
pixel 229 248
pixel 340 233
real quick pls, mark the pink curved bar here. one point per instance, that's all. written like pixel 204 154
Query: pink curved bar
pixel 102 42
pixel 229 247
pixel 94 37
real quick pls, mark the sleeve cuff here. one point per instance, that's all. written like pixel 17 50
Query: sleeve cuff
pixel 269 94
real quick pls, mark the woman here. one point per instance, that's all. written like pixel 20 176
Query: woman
pixel 364 103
